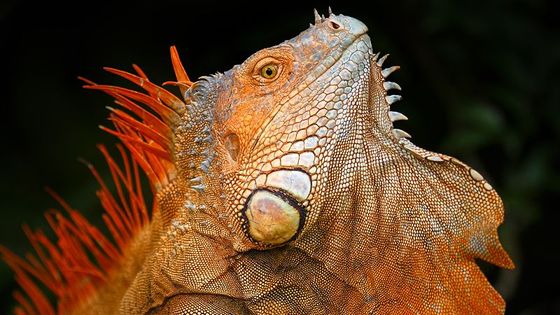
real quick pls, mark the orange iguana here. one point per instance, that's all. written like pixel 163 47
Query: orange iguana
pixel 280 187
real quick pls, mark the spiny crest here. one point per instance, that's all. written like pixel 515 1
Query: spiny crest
pixel 200 155
pixel 320 18
pixel 82 258
pixel 146 129
pixel 391 99
pixel 401 135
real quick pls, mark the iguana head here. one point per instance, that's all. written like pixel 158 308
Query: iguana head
pixel 282 187
pixel 274 118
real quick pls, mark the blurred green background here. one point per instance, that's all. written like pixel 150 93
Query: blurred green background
pixel 480 82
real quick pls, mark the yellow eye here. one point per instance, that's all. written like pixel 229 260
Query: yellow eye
pixel 269 71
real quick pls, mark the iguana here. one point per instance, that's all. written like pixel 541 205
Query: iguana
pixel 280 187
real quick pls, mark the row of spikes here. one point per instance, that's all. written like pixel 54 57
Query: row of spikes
pixel 200 153
pixel 146 124
pixel 149 136
pixel 319 18
pixel 400 134
pixel 391 99
pixel 82 257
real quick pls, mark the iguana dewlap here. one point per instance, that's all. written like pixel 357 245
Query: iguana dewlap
pixel 280 187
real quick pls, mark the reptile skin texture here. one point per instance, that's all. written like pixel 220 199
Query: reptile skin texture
pixel 280 186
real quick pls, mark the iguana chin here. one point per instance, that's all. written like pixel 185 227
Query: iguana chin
pixel 280 187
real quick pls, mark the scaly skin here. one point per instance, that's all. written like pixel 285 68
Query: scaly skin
pixel 292 193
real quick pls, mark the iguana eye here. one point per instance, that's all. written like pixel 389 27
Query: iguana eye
pixel 269 71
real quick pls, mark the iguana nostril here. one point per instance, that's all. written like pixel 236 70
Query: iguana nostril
pixel 334 25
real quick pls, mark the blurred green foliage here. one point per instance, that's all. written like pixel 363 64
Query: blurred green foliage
pixel 480 83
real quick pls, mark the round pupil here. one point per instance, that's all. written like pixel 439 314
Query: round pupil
pixel 269 71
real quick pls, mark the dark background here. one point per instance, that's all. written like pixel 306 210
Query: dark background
pixel 480 82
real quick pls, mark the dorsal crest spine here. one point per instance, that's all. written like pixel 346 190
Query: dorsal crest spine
pixel 82 258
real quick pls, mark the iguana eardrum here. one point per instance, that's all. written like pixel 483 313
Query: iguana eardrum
pixel 280 187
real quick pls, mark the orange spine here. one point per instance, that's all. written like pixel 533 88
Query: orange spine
pixel 82 258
